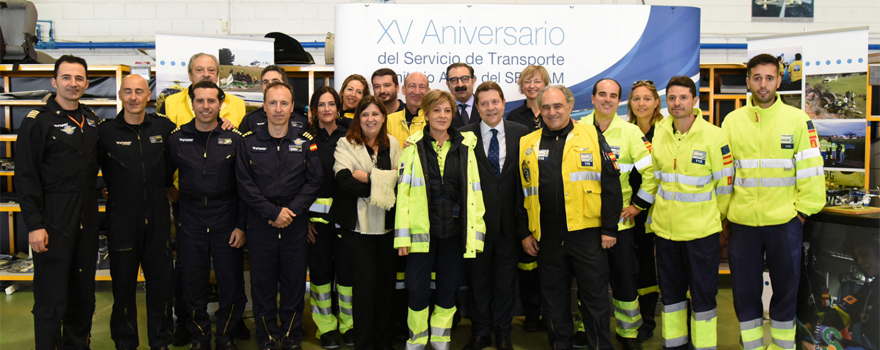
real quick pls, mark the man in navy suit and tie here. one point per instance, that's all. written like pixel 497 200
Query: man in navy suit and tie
pixel 460 79
pixel 493 271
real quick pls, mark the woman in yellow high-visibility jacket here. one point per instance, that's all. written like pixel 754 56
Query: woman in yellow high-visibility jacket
pixel 439 218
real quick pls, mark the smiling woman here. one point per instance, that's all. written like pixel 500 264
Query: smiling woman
pixel 447 224
pixel 366 175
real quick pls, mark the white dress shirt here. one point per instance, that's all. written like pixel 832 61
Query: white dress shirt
pixel 486 132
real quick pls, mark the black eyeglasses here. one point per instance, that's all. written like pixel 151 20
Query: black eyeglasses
pixel 646 82
pixel 464 79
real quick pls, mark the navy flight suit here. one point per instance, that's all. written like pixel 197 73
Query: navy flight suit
pixel 209 212
pixel 56 181
pixel 132 159
pixel 274 174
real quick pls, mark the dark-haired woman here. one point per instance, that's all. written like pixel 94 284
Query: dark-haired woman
pixel 354 89
pixel 327 262
pixel 366 175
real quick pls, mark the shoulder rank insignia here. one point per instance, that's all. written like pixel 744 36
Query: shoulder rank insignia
pixel 33 114
pixel 102 121
pixel 308 135
pixel 237 132
pixel 175 130
pixel 249 133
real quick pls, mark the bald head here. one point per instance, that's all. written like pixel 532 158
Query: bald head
pixel 134 92
pixel 415 86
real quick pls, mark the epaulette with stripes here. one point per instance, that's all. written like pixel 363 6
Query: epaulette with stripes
pixel 249 133
pixel 175 130
pixel 33 114
pixel 308 135
pixel 102 121
pixel 237 132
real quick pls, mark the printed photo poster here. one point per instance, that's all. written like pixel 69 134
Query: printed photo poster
pixel 842 143
pixel 782 10
pixel 241 61
pixel 832 88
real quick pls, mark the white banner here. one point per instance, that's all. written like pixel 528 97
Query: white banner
pixel 578 44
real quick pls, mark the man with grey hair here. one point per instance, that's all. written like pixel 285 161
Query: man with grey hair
pixel 201 67
pixel 572 196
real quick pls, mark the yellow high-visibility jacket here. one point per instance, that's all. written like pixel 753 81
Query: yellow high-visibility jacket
pixel 397 125
pixel 695 170
pixel 411 223
pixel 778 164
pixel 632 150
pixel 582 179
pixel 178 108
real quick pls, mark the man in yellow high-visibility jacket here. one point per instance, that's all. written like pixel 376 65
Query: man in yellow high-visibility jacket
pixel 631 150
pixel 572 205
pixel 178 107
pixel 779 182
pixel 405 122
pixel 692 160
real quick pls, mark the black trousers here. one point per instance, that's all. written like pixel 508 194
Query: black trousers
pixel 649 292
pixel 529 284
pixel 64 290
pixel 198 249
pixel 151 251
pixel 624 268
pixel 493 278
pixel 278 257
pixel 327 257
pixel 580 253
pixel 445 256
pixel 177 276
pixel 373 271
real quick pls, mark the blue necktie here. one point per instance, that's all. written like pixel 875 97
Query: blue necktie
pixel 493 153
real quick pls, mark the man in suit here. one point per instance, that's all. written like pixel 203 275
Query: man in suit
pixel 493 271
pixel 460 80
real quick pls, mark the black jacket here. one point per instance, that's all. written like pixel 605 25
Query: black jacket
pixel 132 159
pixel 206 178
pixel 505 192
pixel 523 115
pixel 274 175
pixel 257 119
pixel 326 148
pixel 56 170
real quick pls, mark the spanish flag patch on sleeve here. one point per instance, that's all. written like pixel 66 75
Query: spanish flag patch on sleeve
pixel 647 144
pixel 313 147
pixel 726 156
pixel 814 137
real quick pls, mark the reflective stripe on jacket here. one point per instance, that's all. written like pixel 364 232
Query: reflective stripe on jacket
pixel 695 170
pixel 630 147
pixel 582 178
pixel 411 224
pixel 778 164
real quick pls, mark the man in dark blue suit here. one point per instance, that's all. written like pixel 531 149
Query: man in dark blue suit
pixel 460 80
pixel 493 271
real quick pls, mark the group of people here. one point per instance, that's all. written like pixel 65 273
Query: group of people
pixel 392 205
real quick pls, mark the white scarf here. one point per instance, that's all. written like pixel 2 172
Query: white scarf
pixel 370 210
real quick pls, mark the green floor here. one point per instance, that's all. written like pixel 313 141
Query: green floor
pixel 16 325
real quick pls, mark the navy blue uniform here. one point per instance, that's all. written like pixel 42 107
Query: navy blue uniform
pixel 209 212
pixel 258 119
pixel 132 159
pixel 274 174
pixel 55 179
